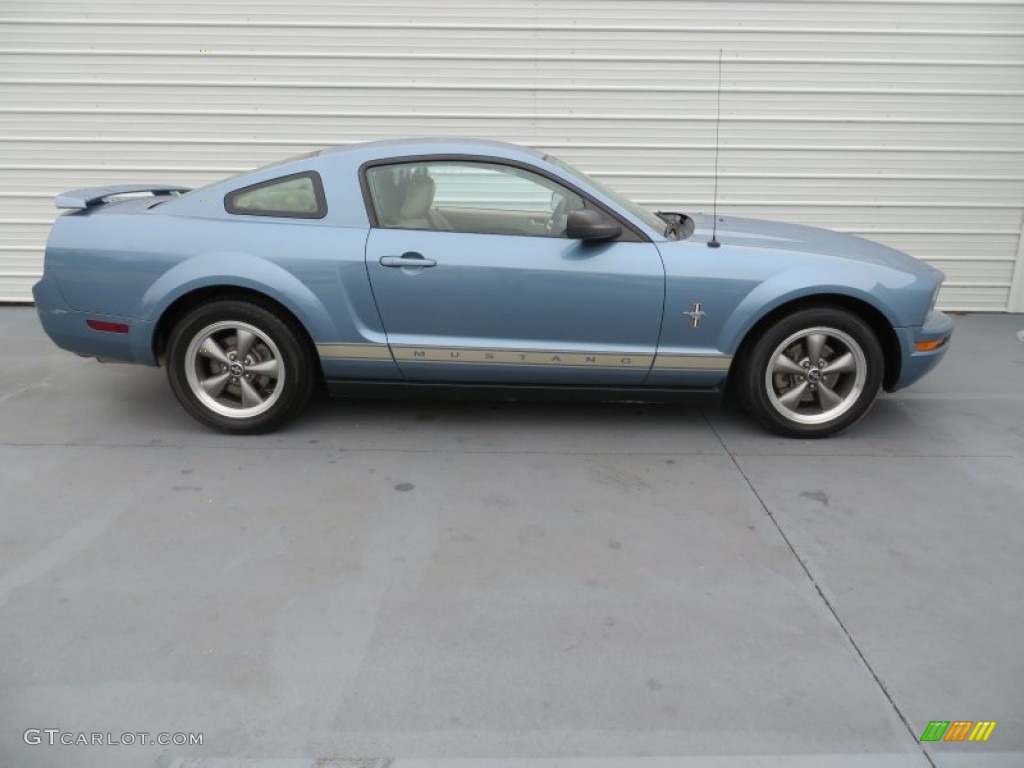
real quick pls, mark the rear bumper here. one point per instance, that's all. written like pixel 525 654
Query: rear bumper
pixel 68 330
pixel 938 326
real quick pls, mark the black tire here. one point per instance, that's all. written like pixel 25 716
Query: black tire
pixel 797 400
pixel 271 393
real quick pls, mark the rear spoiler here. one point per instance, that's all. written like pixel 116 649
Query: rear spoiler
pixel 83 198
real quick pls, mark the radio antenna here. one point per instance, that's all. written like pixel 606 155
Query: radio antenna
pixel 713 242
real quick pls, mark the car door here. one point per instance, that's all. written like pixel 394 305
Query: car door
pixel 476 280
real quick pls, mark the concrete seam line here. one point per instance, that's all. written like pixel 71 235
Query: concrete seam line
pixel 821 594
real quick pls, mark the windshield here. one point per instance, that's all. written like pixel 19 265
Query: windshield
pixel 650 218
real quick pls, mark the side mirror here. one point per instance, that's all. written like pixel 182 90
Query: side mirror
pixel 588 224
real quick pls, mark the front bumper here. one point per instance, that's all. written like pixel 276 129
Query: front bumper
pixel 938 326
pixel 68 330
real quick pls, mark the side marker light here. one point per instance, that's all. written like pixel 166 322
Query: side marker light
pixel 106 326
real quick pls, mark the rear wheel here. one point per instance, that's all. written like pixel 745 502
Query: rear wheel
pixel 812 374
pixel 236 366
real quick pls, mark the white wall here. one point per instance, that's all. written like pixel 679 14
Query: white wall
pixel 903 121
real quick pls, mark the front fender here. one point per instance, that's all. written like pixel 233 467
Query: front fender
pixel 231 269
pixel 873 287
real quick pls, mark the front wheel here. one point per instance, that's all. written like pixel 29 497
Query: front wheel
pixel 812 374
pixel 236 366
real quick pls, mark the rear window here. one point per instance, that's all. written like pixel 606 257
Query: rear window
pixel 298 196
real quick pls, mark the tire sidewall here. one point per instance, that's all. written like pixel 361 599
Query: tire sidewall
pixel 752 389
pixel 298 381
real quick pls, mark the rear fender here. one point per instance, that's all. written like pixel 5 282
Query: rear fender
pixel 231 269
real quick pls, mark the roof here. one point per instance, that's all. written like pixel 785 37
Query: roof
pixel 437 145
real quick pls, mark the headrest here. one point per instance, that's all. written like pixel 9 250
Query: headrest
pixel 419 195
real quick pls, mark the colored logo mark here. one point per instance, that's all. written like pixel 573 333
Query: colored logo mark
pixel 958 730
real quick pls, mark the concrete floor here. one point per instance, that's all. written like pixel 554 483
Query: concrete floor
pixel 510 585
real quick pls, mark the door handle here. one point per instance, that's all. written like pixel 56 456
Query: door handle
pixel 407 259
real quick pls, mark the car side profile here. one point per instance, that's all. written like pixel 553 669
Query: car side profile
pixel 466 263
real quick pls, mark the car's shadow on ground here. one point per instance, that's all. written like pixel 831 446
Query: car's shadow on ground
pixel 502 424
pixel 111 404
pixel 422 408
pixel 107 404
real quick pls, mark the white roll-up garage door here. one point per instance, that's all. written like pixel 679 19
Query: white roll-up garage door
pixel 899 120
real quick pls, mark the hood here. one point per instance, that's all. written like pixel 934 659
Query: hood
pixel 755 233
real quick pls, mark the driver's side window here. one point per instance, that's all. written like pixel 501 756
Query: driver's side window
pixel 472 197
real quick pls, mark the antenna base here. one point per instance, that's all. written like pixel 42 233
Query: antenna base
pixel 713 243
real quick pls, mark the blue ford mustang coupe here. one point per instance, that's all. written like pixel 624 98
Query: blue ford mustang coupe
pixel 476 264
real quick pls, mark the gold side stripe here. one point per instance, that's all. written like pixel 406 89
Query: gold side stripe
pixel 354 351
pixel 522 357
pixel 519 357
pixel 665 362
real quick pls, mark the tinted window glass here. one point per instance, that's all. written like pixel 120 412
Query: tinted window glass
pixel 650 218
pixel 299 196
pixel 473 197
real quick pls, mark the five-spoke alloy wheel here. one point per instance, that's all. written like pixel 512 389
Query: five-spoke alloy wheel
pixel 812 374
pixel 238 367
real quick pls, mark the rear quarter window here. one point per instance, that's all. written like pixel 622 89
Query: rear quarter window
pixel 297 196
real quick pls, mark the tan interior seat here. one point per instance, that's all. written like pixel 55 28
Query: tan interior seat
pixel 416 211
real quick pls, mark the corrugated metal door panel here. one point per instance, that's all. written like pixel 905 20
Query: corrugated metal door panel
pixel 165 65
pixel 936 15
pixel 900 121
pixel 636 159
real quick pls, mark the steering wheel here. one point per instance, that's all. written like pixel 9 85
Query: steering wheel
pixel 559 218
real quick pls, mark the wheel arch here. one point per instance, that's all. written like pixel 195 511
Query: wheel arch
pixel 196 297
pixel 870 314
